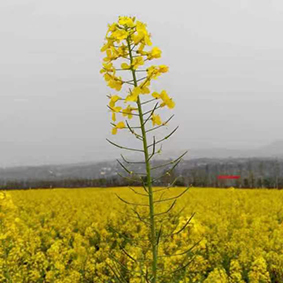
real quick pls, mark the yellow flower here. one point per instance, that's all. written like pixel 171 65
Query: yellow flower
pixel 119 34
pixel 125 66
pixel 156 120
pixel 138 61
pixel 155 71
pixel 133 96
pixel 111 54
pixel 113 100
pixel 113 82
pixel 114 111
pixel 142 34
pixel 2 195
pixel 166 100
pixel 111 28
pixel 127 21
pixel 120 125
pixel 154 53
pixel 128 111
pixel 163 68
pixel 109 44
pixel 122 51
pixel 141 48
pixel 108 67
pixel 144 87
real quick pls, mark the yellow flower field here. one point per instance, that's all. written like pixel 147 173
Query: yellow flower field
pixel 86 235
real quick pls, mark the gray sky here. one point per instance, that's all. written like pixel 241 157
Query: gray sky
pixel 225 59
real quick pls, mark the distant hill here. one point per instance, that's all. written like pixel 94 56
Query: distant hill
pixel 107 169
pixel 273 150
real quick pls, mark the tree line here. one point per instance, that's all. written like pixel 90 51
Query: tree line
pixel 253 173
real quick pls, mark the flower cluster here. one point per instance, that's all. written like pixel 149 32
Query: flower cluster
pixel 128 49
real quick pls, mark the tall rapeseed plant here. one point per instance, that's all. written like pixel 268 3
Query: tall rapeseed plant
pixel 128 70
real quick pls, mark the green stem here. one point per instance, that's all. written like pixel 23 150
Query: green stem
pixel 149 180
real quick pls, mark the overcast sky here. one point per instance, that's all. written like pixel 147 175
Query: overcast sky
pixel 226 67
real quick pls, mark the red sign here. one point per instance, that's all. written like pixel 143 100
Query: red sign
pixel 228 177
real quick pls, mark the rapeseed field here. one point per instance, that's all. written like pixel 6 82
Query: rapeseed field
pixel 87 235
